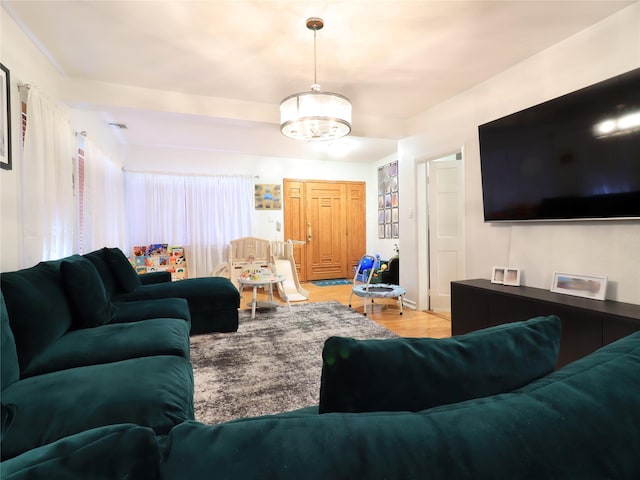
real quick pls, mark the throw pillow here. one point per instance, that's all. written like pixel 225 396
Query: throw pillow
pixel 9 366
pixel 104 453
pixel 122 269
pixel 90 303
pixel 413 374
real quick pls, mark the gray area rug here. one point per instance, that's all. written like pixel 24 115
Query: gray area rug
pixel 273 363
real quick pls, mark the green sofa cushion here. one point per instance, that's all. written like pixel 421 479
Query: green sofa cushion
pixel 122 451
pixel 155 392
pixel 413 374
pixel 9 366
pixel 97 257
pixel 112 343
pixel 146 309
pixel 578 423
pixel 213 301
pixel 90 302
pixel 126 276
pixel 155 277
pixel 39 311
pixel 203 294
pixel 7 412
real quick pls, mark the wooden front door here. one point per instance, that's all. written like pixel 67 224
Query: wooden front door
pixel 330 218
pixel 326 230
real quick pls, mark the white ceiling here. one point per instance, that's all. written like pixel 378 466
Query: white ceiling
pixel 211 74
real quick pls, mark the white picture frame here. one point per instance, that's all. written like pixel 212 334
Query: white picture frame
pixel 497 275
pixel 586 286
pixel 512 277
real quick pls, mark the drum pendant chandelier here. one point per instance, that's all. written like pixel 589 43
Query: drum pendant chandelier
pixel 315 116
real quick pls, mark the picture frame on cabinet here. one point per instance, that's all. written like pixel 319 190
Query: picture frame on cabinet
pixel 497 275
pixel 586 286
pixel 512 277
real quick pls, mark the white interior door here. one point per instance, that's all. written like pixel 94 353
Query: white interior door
pixel 445 230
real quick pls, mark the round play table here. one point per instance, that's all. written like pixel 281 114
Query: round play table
pixel 263 281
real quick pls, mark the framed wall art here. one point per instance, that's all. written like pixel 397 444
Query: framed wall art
pixel 268 196
pixel 5 118
pixel 388 200
pixel 587 286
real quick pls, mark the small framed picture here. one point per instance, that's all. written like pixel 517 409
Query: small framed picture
pixel 497 276
pixel 587 286
pixel 512 277
pixel 5 119
pixel 395 230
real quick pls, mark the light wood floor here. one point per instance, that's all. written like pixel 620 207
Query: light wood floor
pixel 385 311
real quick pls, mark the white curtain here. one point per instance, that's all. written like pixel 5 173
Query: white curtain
pixel 48 207
pixel 103 220
pixel 201 213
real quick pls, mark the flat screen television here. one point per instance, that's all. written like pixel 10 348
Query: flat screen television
pixel 574 157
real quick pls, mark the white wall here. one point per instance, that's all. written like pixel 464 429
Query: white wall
pixel 265 169
pixel 611 248
pixel 28 65
pixel 383 246
pixel 22 59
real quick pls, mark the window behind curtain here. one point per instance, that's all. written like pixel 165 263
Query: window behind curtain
pixel 80 195
pixel 100 193
pixel 201 213
pixel 47 203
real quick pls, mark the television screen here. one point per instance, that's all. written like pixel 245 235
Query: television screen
pixel 573 157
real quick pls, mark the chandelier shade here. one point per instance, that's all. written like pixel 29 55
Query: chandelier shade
pixel 315 115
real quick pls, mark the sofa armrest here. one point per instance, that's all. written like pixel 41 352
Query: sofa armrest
pixel 392 274
pixel 155 277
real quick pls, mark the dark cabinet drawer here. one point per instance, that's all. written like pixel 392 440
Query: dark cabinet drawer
pixel 586 324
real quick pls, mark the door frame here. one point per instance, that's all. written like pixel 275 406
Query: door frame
pixel 423 220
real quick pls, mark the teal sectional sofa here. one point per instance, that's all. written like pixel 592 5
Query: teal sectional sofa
pixel 70 361
pixel 213 301
pixel 484 405
pixel 578 423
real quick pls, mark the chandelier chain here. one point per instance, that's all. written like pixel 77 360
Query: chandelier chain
pixel 315 64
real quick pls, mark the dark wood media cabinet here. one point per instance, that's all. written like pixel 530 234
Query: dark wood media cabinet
pixel 586 324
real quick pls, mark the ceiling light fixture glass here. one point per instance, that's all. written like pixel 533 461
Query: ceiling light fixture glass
pixel 315 116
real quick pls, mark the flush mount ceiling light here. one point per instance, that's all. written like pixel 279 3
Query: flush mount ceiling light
pixel 315 116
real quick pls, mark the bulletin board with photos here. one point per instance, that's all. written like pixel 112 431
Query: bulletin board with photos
pixel 388 209
pixel 268 196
